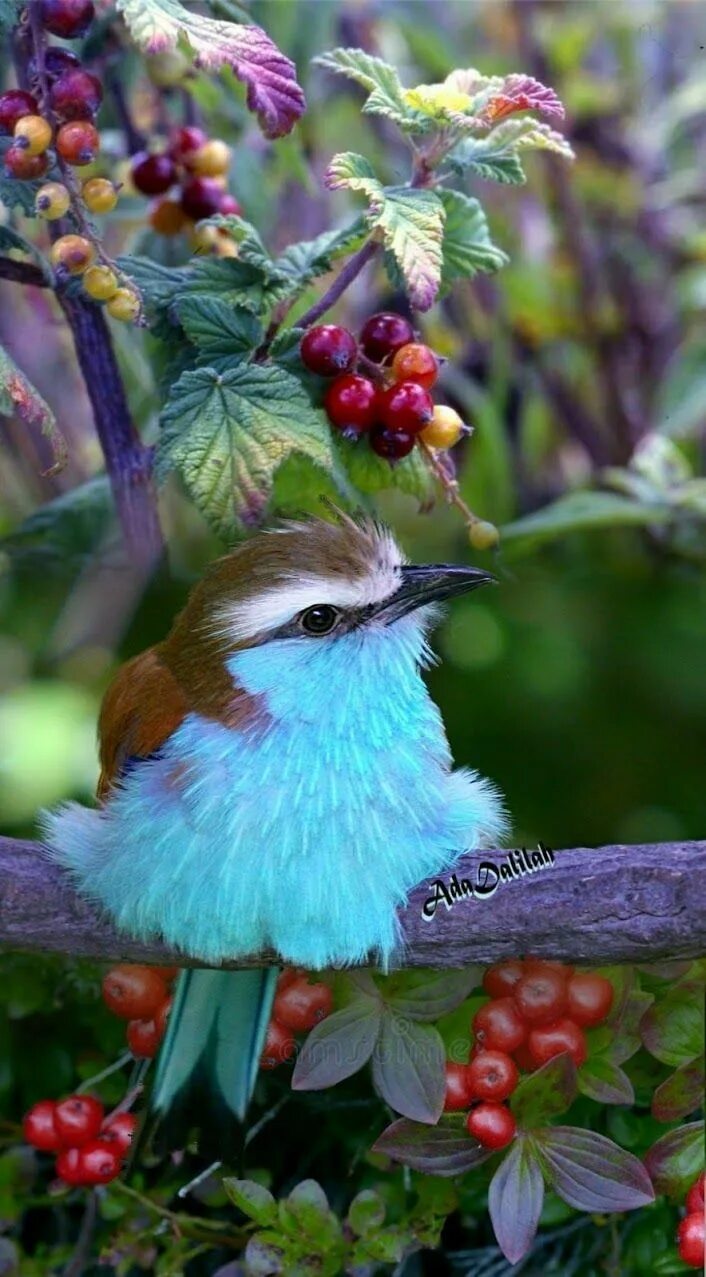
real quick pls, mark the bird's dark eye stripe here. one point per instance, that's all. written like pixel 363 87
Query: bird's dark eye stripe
pixel 319 619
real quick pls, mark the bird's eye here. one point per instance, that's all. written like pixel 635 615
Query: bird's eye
pixel 319 620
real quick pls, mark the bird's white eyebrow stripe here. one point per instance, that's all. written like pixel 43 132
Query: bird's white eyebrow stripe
pixel 277 605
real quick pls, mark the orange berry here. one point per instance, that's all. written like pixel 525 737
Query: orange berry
pixel 72 253
pixel 444 429
pixel 78 142
pixel 167 217
pixel 415 362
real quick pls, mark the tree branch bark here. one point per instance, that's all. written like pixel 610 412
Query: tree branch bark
pixel 598 905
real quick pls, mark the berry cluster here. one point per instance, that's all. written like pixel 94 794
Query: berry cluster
pixel 90 1147
pixel 392 405
pixel 298 1006
pixel 190 178
pixel 141 996
pixel 537 1010
pixel 692 1229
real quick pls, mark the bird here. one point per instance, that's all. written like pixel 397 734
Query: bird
pixel 275 777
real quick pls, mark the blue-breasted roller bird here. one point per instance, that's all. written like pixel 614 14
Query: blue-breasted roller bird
pixel 275 776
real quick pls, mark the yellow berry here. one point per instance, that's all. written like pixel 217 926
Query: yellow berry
pixel 100 282
pixel 72 253
pixel 167 69
pixel 226 247
pixel 124 305
pixel 444 429
pixel 52 201
pixel 210 160
pixel 34 134
pixel 483 535
pixel 204 239
pixel 100 196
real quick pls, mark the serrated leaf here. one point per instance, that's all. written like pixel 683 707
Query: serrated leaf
pixel 227 434
pixel 252 1199
pixel 530 135
pixel 673 1027
pixel 466 246
pixel 520 92
pixel 515 1199
pixel 385 93
pixel 18 398
pixel 366 1212
pixel 580 512
pixel 160 26
pixel 545 1093
pixel 65 531
pixel 408 1067
pixel 446 1149
pixel 591 1172
pixel 606 1082
pixel 339 1046
pixel 306 260
pixel 482 158
pixel 437 995
pixel 219 330
pixel 681 1093
pixel 370 473
pixel 676 1159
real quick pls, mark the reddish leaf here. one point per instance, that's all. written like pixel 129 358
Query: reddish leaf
pixel 592 1173
pixel 673 1029
pixel 521 93
pixel 515 1199
pixel 438 994
pixel 606 1082
pixel 545 1093
pixel 676 1159
pixel 339 1046
pixel 681 1093
pixel 408 1068
pixel 445 1149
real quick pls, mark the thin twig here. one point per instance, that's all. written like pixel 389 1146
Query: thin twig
pixel 99 1077
pixel 343 280
pixel 82 1250
pixel 184 1225
pixel 448 484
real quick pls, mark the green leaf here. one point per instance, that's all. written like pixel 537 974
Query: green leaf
pixel 66 530
pixel 515 1199
pixel 18 398
pixel 676 1159
pixel 484 158
pixel 446 1149
pixel 11 239
pixel 306 260
pixel 408 1067
pixel 681 1093
pixel 606 1082
pixel 370 473
pixel 466 247
pixel 339 1046
pixel 545 1093
pixel 673 1028
pixel 366 1212
pixel 309 1206
pixel 219 330
pixel 527 134
pixel 437 994
pixel 385 93
pixel 252 1199
pixel 580 512
pixel 227 434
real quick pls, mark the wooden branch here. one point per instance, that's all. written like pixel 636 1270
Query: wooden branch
pixel 597 905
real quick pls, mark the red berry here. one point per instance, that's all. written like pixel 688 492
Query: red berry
pixel 548 1040
pixel 78 1119
pixel 548 964
pixel 201 197
pixel 153 174
pixel 385 333
pixel 287 976
pixel 119 1130
pixel 143 1038
pixel 328 349
pixel 405 406
pixel 25 167
pixel 229 205
pixel 13 105
pixel 498 1026
pixel 589 998
pixel 279 1046
pixel 182 141
pixel 76 95
pixel 501 979
pixel 540 996
pixel 351 403
pixel 493 1125
pixel 39 1127
pixel 458 1094
pixel 99 1162
pixel 415 362
pixel 78 142
pixel 56 61
pixel 66 18
pixel 302 1005
pixel 492 1075
pixel 690 1240
pixel 391 444
pixel 695 1196
pixel 134 992
pixel 68 1166
pixel 523 1059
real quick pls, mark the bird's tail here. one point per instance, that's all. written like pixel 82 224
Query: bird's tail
pixel 208 1062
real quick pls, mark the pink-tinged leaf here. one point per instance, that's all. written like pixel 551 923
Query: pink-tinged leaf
pixel 408 1068
pixel 624 1026
pixel 681 1093
pixel 545 1093
pixel 339 1046
pixel 515 1199
pixel 606 1082
pixel 521 93
pixel 18 398
pixel 273 91
pixel 445 1149
pixel 438 994
pixel 592 1173
pixel 676 1159
pixel 673 1029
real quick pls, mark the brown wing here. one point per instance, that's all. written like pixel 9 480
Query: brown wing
pixel 143 705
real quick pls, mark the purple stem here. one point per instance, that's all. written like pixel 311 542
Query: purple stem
pixel 23 273
pixel 350 271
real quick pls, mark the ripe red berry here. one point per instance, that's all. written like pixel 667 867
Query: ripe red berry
pixel 384 333
pixel 492 1075
pixel 201 197
pixel 119 1130
pixel 548 964
pixel 328 349
pixel 493 1125
pixel 143 1038
pixel 523 1059
pixel 76 94
pixel 99 1162
pixel 458 1094
pixel 589 998
pixel 67 18
pixel 540 996
pixel 690 1240
pixel 548 1040
pixel 78 142
pixel 78 1119
pixel 14 104
pixel 229 205
pixel 68 1167
pixel 500 980
pixel 39 1128
pixel 186 139
pixel 498 1026
pixel 405 406
pixel 23 166
pixel 393 445
pixel 415 362
pixel 153 174
pixel 301 1005
pixel 134 992
pixel 695 1196
pixel 279 1046
pixel 351 404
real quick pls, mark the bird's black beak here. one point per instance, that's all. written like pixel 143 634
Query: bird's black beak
pixel 431 583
